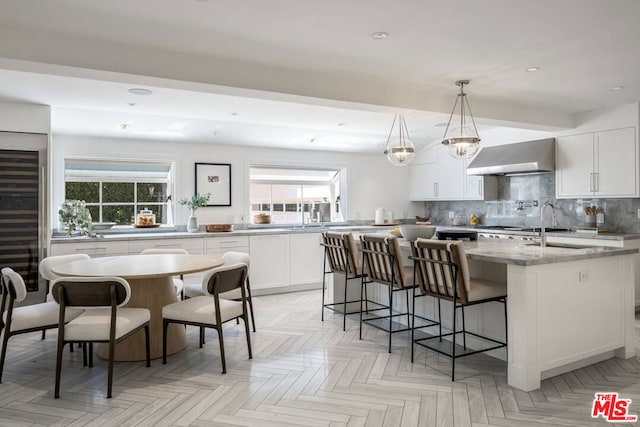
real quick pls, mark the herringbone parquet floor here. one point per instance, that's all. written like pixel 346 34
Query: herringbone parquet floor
pixel 304 373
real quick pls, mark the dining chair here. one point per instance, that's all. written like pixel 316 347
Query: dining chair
pixel 178 283
pixel 46 271
pixel 230 257
pixel 207 312
pixel 382 264
pixel 441 271
pixel 105 320
pixel 29 318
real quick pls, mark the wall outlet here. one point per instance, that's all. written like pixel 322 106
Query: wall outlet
pixel 584 276
pixel 453 214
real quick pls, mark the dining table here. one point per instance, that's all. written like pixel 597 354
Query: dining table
pixel 150 278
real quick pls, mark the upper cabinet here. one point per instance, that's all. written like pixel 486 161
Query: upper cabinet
pixel 435 175
pixel 598 164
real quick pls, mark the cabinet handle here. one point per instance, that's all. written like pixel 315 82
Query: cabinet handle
pixel 91 249
pixel 435 189
pixel 480 188
pixel 591 182
pixel 168 245
pixel 596 181
pixel 229 241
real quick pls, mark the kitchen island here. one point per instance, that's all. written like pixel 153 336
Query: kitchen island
pixel 567 306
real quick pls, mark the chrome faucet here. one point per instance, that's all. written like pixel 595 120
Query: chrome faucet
pixel 543 233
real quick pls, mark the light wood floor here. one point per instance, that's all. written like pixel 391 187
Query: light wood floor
pixel 304 373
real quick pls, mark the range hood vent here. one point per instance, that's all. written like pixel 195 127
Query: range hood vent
pixel 522 157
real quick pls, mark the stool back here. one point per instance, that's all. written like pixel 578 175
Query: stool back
pixel 341 253
pixel 381 260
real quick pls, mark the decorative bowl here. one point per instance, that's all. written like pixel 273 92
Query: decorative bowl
pixel 413 231
pixel 219 228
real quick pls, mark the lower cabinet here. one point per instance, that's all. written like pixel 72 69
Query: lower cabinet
pixel 307 257
pixel 98 248
pixel 269 261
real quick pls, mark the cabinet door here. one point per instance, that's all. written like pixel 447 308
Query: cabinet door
pixel 422 181
pixel 269 261
pixel 95 248
pixel 191 245
pixel 450 176
pixel 574 166
pixel 307 256
pixel 474 185
pixel 616 163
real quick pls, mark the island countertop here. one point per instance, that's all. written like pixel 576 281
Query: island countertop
pixel 520 253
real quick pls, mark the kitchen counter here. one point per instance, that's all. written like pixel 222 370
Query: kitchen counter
pixel 570 234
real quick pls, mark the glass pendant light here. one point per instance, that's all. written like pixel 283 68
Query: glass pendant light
pixel 400 150
pixel 462 138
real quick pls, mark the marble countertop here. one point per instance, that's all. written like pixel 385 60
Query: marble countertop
pixel 527 253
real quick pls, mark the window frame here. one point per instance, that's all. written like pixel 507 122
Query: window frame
pixel 341 179
pixel 169 204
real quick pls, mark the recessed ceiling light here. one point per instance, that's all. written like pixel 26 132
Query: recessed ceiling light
pixel 124 125
pixel 379 35
pixel 131 104
pixel 140 91
pixel 342 124
pixel 440 125
pixel 532 69
pixel 312 140
pixel 616 87
pixel 235 114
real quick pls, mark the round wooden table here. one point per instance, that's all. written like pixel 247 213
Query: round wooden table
pixel 150 278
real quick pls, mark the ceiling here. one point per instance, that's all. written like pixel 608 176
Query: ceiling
pixel 295 74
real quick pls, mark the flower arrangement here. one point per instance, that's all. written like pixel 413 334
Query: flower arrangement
pixel 196 201
pixel 75 215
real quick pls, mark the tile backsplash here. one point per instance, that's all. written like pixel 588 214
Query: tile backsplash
pixel 520 199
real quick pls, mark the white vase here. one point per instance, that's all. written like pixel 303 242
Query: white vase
pixel 192 224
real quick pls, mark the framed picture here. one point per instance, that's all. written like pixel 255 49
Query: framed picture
pixel 214 178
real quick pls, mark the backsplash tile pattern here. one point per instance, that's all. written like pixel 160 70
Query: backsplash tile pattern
pixel 620 214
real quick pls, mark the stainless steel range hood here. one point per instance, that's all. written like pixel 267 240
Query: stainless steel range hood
pixel 522 157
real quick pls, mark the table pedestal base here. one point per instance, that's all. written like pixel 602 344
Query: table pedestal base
pixel 153 294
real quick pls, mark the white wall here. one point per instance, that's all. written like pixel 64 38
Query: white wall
pixel 20 117
pixel 372 181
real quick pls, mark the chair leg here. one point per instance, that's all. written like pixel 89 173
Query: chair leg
pixel 506 329
pixel 201 336
pixel 110 369
pixel 390 315
pixel 344 304
pixel 439 320
pixel 453 343
pixel 413 323
pixel 84 353
pixel 221 340
pixel 91 355
pixel 44 334
pixel 60 350
pixel 362 291
pixel 408 309
pixel 464 331
pixel 5 339
pixel 253 317
pixel 165 326
pixel 147 345
pixel 246 329
pixel 324 275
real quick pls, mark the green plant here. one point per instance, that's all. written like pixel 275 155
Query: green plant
pixel 76 216
pixel 196 201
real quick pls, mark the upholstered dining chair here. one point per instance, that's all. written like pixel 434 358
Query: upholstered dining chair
pixel 230 257
pixel 46 271
pixel 382 264
pixel 29 318
pixel 441 271
pixel 207 312
pixel 105 320
pixel 178 283
pixel 341 257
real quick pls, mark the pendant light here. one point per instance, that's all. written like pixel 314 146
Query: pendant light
pixel 400 150
pixel 462 139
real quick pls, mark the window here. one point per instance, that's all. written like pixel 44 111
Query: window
pixel 114 190
pixel 296 195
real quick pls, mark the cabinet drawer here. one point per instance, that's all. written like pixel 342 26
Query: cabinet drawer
pixel 194 246
pixel 218 244
pixel 93 249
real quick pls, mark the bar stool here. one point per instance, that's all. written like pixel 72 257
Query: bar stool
pixel 441 271
pixel 382 264
pixel 341 256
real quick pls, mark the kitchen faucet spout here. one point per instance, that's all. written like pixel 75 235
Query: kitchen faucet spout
pixel 543 232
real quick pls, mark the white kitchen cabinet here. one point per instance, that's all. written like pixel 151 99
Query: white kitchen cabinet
pixel 599 164
pixel 269 261
pixel 93 248
pixel 217 246
pixel 435 175
pixel 307 256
